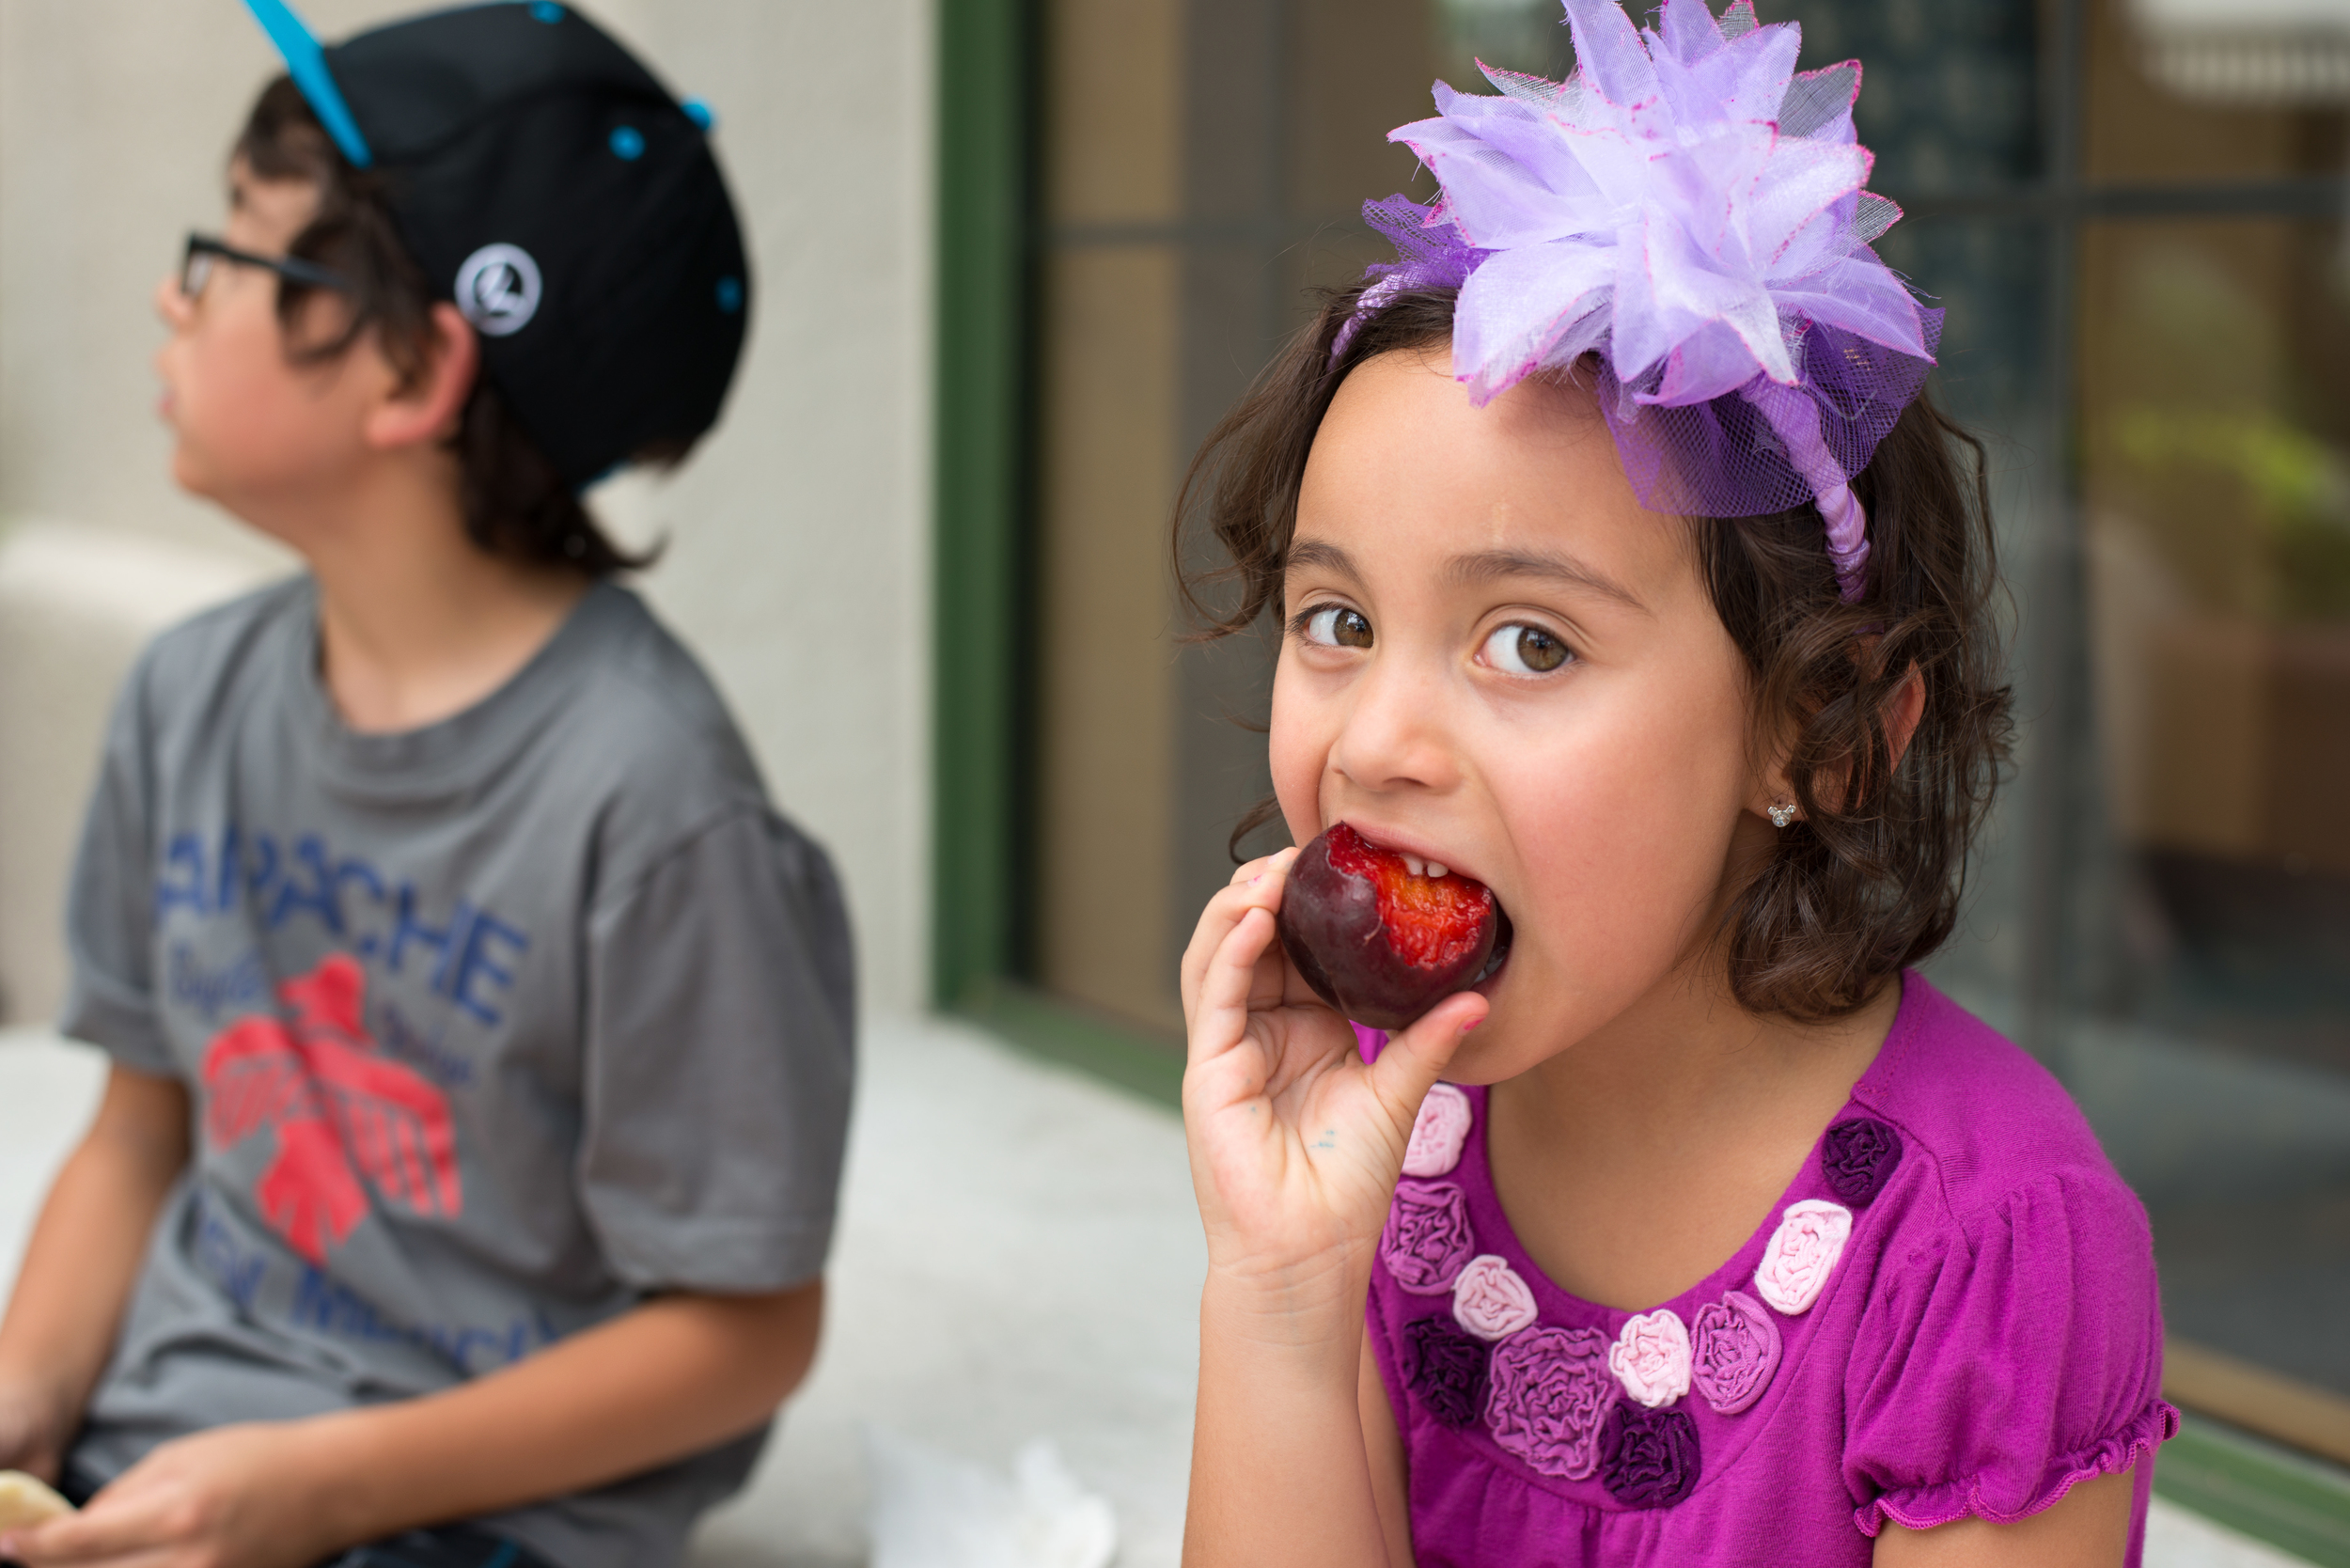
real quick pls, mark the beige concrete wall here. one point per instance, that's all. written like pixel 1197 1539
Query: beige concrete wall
pixel 798 563
pixel 76 602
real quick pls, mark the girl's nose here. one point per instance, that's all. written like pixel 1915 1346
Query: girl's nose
pixel 1394 737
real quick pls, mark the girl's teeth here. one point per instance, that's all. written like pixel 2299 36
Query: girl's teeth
pixel 1434 869
pixel 1414 864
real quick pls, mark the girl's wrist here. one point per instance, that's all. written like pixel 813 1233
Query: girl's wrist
pixel 1306 1307
pixel 1279 1360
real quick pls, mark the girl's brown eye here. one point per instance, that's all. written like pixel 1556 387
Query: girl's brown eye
pixel 1519 649
pixel 1336 626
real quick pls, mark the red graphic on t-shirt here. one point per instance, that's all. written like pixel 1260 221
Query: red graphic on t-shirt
pixel 341 1110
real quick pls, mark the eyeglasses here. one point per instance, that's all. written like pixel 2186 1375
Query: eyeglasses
pixel 203 251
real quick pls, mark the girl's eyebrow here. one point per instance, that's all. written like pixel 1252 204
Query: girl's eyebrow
pixel 1485 565
pixel 1315 552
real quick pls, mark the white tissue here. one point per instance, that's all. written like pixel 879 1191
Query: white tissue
pixel 932 1510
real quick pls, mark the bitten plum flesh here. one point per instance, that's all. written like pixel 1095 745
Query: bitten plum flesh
pixel 1376 940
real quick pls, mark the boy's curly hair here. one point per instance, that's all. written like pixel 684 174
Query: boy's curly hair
pixel 514 502
pixel 1871 879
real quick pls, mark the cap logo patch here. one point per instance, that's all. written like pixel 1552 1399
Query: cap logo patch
pixel 497 289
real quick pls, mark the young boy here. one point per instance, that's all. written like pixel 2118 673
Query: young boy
pixel 480 1037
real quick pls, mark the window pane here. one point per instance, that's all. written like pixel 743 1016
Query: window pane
pixel 2216 1052
pixel 2217 90
pixel 1991 277
pixel 1949 94
pixel 1104 667
pixel 1109 312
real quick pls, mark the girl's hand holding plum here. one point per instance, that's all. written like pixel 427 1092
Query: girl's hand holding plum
pixel 1296 1142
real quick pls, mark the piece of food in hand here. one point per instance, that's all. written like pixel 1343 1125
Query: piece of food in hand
pixel 1380 936
pixel 25 1501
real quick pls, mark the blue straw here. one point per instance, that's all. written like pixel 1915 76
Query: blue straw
pixel 305 62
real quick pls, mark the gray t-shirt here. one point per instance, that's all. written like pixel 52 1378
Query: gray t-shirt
pixel 492 1029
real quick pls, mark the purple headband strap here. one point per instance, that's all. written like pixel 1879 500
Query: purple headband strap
pixel 1797 422
pixel 1694 212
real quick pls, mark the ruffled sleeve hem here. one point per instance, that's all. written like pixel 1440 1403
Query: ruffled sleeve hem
pixel 1926 1507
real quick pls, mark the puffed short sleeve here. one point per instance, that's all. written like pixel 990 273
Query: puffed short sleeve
pixel 2009 1356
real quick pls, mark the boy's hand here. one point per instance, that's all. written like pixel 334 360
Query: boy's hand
pixel 1296 1143
pixel 237 1496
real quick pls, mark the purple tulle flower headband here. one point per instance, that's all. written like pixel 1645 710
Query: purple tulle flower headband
pixel 1694 212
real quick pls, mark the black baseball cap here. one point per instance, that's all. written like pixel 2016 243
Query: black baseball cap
pixel 562 198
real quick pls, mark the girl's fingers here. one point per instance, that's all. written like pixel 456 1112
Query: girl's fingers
pixel 1255 885
pixel 1247 870
pixel 1221 1014
pixel 1416 1057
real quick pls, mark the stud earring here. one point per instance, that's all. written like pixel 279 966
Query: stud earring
pixel 1782 813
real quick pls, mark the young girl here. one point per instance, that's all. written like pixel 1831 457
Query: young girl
pixel 1624 571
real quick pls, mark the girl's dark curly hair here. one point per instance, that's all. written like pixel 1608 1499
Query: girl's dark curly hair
pixel 515 504
pixel 1871 879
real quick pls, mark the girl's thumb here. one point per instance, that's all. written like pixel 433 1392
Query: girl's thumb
pixel 1417 1057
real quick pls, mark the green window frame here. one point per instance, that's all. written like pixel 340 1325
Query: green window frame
pixel 984 265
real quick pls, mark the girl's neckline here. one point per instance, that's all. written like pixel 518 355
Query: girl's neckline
pixel 1732 1270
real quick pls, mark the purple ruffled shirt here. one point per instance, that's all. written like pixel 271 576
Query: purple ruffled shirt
pixel 1952 1312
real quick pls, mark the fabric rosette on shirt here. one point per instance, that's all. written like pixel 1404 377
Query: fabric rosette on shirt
pixel 1447 1369
pixel 1734 1349
pixel 1648 1458
pixel 1427 1240
pixel 1491 1299
pixel 1651 1357
pixel 1801 1254
pixel 1551 1392
pixel 1438 1133
pixel 1858 1158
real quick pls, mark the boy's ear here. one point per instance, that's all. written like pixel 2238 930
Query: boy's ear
pixel 428 404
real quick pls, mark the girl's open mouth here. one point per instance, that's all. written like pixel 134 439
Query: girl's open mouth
pixel 1504 934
